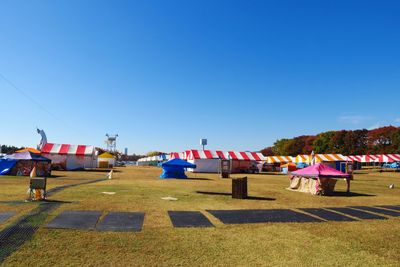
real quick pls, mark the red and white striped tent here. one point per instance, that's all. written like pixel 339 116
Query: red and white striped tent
pixel 358 158
pixel 279 159
pixel 370 158
pixel 252 156
pixel 364 158
pixel 384 158
pixel 70 157
pixel 64 149
pixel 204 154
pixel 209 160
pixel 177 155
pixel 218 154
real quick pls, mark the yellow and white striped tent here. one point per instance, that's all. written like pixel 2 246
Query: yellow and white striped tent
pixel 302 159
pixel 320 158
pixel 329 157
pixel 279 159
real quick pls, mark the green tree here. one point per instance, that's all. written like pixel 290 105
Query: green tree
pixel 9 149
pixel 279 147
pixel 322 142
pixel 295 146
pixel 153 153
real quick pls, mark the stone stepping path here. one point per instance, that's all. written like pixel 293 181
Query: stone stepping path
pixel 189 219
pixel 358 214
pixel 378 210
pixel 328 215
pixel 6 215
pixel 89 220
pixel 261 216
pixel 79 220
pixel 122 222
pixel 133 221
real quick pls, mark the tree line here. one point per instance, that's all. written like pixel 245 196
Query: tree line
pixel 384 140
pixel 9 149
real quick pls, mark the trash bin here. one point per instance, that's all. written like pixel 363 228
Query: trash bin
pixel 225 168
pixel 239 188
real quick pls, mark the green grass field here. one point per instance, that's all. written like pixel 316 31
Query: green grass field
pixel 361 243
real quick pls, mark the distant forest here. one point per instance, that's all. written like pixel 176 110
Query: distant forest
pixel 9 149
pixel 384 140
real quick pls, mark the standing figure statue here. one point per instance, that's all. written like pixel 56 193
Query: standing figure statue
pixel 43 141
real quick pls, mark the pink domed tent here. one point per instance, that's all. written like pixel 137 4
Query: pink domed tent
pixel 317 179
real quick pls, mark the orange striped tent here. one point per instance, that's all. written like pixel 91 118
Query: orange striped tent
pixel 279 159
pixel 302 159
pixel 329 158
pixel 29 149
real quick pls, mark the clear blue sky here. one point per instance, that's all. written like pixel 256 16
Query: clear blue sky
pixel 163 74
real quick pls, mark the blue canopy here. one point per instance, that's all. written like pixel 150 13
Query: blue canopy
pixel 178 163
pixel 301 165
pixel 6 165
pixel 175 168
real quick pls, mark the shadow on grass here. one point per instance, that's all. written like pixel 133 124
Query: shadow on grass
pixel 55 176
pixel 99 170
pixel 351 194
pixel 274 173
pixel 50 201
pixel 23 202
pixel 229 194
pixel 200 179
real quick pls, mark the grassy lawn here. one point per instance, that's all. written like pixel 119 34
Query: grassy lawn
pixel 363 243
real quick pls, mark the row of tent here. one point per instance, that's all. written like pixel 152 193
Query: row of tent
pixel 206 154
pixel 256 156
pixel 54 156
pixel 208 160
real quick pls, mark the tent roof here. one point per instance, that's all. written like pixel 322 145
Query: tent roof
pixel 389 158
pixel 279 159
pixel 66 149
pixel 330 157
pixel 218 154
pixel 319 170
pixel 27 156
pixel 29 149
pixel 302 158
pixel 106 155
pixel 178 163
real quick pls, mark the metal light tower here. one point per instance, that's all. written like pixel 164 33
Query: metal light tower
pixel 111 142
pixel 203 143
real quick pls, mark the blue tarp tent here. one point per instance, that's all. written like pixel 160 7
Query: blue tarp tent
pixel 6 165
pixel 301 165
pixel 175 168
pixel 22 163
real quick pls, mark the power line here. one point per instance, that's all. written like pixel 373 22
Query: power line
pixel 27 96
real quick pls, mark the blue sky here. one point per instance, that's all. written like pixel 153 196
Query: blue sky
pixel 163 74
